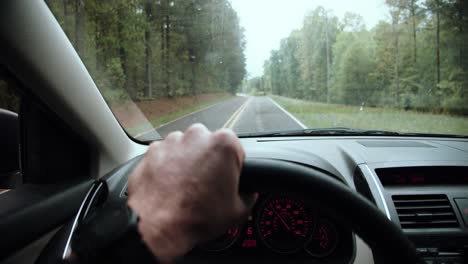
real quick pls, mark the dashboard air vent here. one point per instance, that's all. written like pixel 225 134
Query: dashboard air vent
pixel 424 211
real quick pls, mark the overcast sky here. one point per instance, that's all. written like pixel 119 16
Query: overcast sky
pixel 266 22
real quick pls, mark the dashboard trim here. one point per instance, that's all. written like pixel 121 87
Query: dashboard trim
pixel 379 190
pixel 362 252
pixel 67 248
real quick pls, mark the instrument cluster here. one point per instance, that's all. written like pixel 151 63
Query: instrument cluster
pixel 284 226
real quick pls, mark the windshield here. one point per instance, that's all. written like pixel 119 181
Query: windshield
pixel 275 65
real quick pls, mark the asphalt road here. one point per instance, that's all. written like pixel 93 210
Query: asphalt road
pixel 262 114
pixel 242 114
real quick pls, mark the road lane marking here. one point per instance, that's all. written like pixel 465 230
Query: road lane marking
pixel 288 114
pixel 189 114
pixel 179 118
pixel 235 117
pixel 234 122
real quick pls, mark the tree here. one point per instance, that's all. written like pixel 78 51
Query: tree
pixel 80 30
pixel 148 10
pixel 413 9
pixel 396 9
pixel 148 48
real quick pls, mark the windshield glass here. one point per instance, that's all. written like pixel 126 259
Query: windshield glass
pixel 275 65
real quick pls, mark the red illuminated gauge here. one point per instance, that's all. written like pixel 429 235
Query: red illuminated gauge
pixel 284 224
pixel 324 240
pixel 223 242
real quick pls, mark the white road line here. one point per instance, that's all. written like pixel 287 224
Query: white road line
pixel 288 114
pixel 235 117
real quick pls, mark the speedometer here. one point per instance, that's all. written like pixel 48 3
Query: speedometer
pixel 285 224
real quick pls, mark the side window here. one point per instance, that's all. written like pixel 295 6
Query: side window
pixel 10 175
pixel 9 98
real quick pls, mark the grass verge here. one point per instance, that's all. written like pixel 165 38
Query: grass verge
pixel 173 116
pixel 321 115
pixel 177 113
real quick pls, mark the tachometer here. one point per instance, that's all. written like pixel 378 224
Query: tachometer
pixel 223 242
pixel 324 240
pixel 285 225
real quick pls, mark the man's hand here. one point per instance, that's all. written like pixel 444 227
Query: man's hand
pixel 186 190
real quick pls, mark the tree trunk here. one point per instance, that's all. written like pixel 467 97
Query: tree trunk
pixel 148 92
pixel 461 24
pixel 162 59
pixel 328 58
pixel 413 16
pixel 166 56
pixel 80 29
pixel 123 56
pixel 148 65
pixel 438 41
pixel 395 18
pixel 66 27
pixel 193 63
pixel 165 39
pixel 99 32
pixel 192 81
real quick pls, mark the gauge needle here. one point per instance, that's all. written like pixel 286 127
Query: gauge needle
pixel 281 219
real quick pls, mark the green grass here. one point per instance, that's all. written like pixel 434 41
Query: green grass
pixel 321 115
pixel 172 116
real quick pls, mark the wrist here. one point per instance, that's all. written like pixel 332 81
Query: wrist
pixel 166 233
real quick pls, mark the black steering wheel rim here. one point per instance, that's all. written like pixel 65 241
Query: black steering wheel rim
pixel 386 239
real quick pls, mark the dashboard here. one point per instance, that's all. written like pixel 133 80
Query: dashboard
pixel 420 184
pixel 281 227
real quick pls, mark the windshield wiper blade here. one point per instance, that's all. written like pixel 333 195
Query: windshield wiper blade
pixel 338 131
pixel 342 131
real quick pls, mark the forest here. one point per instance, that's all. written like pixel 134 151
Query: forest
pixel 146 49
pixel 417 60
pixel 414 59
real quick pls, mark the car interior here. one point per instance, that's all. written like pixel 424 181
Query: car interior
pixel 354 199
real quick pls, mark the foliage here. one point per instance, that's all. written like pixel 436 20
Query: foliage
pixel 417 60
pixel 156 48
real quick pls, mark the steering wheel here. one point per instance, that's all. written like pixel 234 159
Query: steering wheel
pixel 386 239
